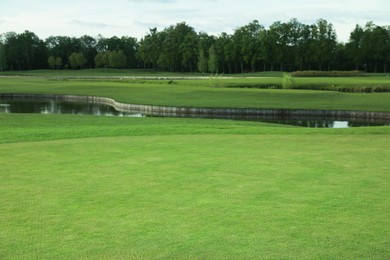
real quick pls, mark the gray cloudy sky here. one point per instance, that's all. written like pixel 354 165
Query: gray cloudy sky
pixel 135 17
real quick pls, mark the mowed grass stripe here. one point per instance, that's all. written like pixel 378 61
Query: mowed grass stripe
pixel 199 93
pixel 206 196
pixel 37 127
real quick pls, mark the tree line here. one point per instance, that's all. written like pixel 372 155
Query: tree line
pixel 283 46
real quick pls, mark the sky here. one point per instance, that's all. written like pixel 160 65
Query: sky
pixel 134 17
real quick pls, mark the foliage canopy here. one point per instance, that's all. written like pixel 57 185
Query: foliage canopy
pixel 284 46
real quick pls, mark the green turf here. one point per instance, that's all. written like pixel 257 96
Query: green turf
pixel 199 93
pixel 85 187
pixel 142 188
pixel 31 127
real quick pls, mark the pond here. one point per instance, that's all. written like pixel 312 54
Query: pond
pixel 53 106
pixel 60 107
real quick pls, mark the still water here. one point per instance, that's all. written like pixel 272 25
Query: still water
pixel 86 108
pixel 60 107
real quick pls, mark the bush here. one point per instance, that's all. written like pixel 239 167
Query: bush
pixel 216 81
pixel 287 81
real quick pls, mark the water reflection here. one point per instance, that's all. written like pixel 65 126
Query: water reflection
pixel 61 107
pixel 87 108
pixel 5 108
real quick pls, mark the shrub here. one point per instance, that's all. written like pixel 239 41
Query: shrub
pixel 216 81
pixel 287 81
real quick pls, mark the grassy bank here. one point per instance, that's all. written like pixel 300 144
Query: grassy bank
pixel 32 128
pixel 93 187
pixel 202 93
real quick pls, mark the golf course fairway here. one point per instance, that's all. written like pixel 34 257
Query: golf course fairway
pixel 143 188
pixel 95 187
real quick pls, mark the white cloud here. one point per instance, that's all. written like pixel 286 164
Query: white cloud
pixel 90 24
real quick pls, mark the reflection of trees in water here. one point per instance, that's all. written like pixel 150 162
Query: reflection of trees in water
pixel 58 107
pixel 4 108
pixel 303 123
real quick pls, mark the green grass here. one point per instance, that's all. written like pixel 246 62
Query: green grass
pixel 32 128
pixel 142 188
pixel 76 187
pixel 199 93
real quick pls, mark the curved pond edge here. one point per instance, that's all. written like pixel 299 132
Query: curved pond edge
pixel 156 110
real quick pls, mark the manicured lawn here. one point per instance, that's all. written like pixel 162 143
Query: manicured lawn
pixel 199 93
pixel 93 187
pixel 76 187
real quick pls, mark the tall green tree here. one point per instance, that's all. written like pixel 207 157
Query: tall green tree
pixel 286 37
pixel 379 41
pixel 178 49
pixel 101 60
pixel 3 57
pixel 302 50
pixel 189 51
pixel 88 48
pixel 229 55
pixel 128 45
pixel 63 47
pixel 324 43
pixel 25 51
pixel 77 60
pixel 205 41
pixel 52 62
pixel 213 62
pixel 202 62
pixel 117 59
pixel 279 38
pixel 246 42
pixel 149 49
pixel 354 47
pixel 58 62
pixel 271 50
pixel 369 47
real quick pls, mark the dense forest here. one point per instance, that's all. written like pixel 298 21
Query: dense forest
pixel 284 46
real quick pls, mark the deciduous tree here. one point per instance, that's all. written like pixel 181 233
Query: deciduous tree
pixel 3 57
pixel 77 60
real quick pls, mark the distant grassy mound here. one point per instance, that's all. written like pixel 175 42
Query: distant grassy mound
pixel 333 73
